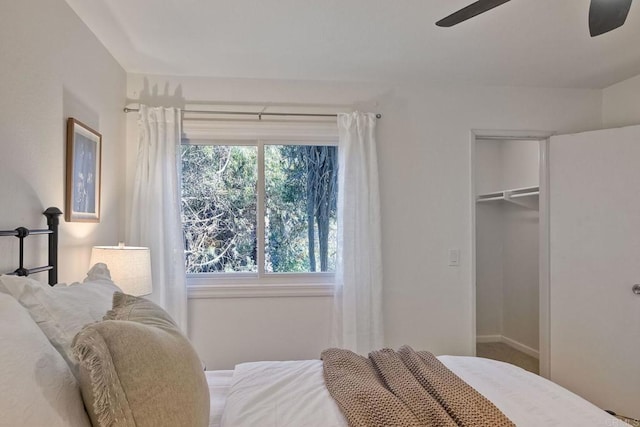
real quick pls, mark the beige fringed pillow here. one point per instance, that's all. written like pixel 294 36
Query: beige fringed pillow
pixel 137 369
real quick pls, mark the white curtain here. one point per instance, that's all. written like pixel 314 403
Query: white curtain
pixel 358 315
pixel 155 213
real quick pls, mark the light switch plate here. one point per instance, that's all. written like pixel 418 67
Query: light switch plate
pixel 454 257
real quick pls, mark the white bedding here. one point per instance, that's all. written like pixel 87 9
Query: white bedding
pixel 219 384
pixel 292 394
pixel 37 387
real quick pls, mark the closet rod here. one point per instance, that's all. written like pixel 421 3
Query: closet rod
pixel 250 113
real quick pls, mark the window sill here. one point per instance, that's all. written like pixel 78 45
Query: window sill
pixel 260 290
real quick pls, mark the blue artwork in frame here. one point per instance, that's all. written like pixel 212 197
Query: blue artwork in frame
pixel 84 147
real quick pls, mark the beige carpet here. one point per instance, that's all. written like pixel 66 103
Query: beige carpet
pixel 504 353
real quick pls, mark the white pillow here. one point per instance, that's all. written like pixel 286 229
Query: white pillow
pixel 62 310
pixel 36 385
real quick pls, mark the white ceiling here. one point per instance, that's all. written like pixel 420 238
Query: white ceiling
pixel 524 42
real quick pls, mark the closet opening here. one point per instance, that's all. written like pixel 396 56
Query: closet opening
pixel 510 247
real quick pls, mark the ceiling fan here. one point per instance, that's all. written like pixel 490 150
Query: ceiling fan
pixel 604 15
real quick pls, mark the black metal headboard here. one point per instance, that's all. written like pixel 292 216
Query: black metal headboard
pixel 53 220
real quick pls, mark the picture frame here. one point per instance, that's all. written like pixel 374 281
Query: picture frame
pixel 84 161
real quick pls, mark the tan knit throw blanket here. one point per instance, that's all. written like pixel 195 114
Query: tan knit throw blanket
pixel 404 388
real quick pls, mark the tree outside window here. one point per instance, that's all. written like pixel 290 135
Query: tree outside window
pixel 222 213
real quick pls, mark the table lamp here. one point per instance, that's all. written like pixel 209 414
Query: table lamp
pixel 130 267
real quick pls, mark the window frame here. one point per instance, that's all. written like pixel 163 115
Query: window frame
pixel 260 283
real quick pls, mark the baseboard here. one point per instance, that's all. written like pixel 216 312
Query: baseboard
pixel 488 338
pixel 510 342
pixel 521 347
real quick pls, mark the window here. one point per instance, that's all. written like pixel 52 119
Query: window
pixel 259 209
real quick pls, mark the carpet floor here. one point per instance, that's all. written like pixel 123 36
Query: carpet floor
pixel 504 353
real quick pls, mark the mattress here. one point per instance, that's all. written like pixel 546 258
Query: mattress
pixel 292 394
pixel 219 384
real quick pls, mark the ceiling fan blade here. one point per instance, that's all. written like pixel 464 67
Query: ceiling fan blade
pixel 607 15
pixel 470 11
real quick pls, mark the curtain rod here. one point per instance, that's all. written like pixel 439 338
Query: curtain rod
pixel 249 113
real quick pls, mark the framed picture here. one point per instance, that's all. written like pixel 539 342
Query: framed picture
pixel 84 147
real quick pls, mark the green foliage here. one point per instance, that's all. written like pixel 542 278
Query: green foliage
pixel 301 207
pixel 219 205
pixel 219 187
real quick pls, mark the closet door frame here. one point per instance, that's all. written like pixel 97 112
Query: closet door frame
pixel 543 137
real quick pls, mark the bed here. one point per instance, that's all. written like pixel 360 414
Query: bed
pixel 50 365
pixel 292 393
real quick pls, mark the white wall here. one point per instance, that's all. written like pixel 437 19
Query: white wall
pixel 503 165
pixel 521 168
pixel 507 244
pixel 520 164
pixel 489 240
pixel 52 67
pixel 423 147
pixel 489 269
pixel 229 331
pixel 621 103
pixel 489 176
pixel 521 277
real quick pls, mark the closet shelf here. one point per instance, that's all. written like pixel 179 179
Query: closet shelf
pixel 526 197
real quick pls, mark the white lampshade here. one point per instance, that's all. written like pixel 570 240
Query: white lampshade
pixel 130 267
